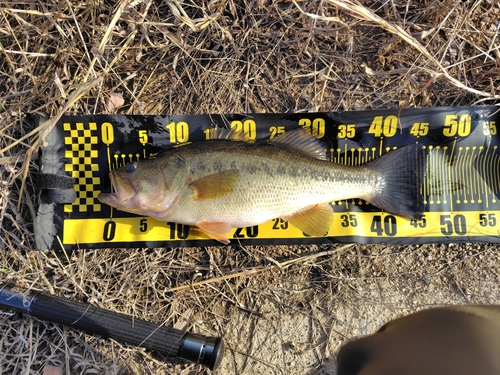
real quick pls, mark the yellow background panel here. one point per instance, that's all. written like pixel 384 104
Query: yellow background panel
pixel 458 224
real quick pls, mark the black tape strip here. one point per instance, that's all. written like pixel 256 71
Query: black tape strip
pixel 54 181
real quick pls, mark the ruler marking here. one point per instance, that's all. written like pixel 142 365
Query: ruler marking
pixel 461 177
pixel 466 175
pixel 486 180
pixel 425 190
pixel 431 173
pixel 493 183
pixel 475 175
pixel 451 171
pixel 481 180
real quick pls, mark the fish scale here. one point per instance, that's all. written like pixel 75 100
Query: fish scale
pixel 263 193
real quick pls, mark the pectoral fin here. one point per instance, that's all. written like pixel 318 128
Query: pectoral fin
pixel 216 185
pixel 217 231
pixel 314 221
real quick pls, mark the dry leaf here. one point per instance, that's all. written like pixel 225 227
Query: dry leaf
pixel 115 101
pixel 184 320
pixel 50 369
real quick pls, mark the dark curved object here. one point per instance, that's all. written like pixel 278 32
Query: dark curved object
pixel 447 340
pixel 171 342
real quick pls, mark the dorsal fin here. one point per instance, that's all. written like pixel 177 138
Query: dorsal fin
pixel 230 134
pixel 302 141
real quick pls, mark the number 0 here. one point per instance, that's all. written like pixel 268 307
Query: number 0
pixel 109 230
pixel 107 133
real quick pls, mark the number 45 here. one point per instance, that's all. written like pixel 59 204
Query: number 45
pixel 420 129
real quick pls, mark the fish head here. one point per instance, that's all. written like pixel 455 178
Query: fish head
pixel 141 188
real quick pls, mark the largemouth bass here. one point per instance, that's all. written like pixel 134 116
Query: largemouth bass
pixel 220 184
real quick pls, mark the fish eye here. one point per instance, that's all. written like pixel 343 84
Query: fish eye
pixel 129 168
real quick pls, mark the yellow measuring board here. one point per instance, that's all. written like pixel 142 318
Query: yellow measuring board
pixel 136 229
pixel 461 188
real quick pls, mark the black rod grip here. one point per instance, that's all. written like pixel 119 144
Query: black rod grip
pixel 168 341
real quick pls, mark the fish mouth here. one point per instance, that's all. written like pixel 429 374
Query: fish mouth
pixel 123 189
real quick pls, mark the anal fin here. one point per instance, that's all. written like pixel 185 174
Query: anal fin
pixel 218 231
pixel 314 221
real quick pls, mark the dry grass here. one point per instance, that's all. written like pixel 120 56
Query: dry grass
pixel 282 310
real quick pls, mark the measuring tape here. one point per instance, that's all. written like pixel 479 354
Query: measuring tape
pixel 461 188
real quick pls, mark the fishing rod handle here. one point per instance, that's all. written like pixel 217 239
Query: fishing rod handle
pixel 168 341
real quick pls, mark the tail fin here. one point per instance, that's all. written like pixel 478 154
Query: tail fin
pixel 400 175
